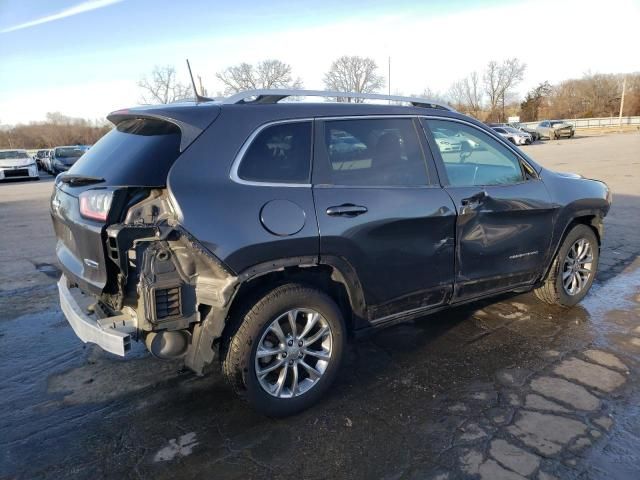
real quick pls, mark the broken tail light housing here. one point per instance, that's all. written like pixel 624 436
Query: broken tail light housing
pixel 95 204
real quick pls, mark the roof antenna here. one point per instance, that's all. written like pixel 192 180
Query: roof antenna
pixel 199 98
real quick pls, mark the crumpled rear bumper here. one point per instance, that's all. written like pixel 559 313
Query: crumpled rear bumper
pixel 112 334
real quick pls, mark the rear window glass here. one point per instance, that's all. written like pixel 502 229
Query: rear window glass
pixel 136 152
pixel 280 154
pixel 375 152
pixel 70 152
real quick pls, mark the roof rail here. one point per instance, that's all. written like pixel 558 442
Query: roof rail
pixel 275 95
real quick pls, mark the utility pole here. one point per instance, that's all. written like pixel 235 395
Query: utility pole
pixel 624 88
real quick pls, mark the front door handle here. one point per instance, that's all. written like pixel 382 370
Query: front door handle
pixel 477 198
pixel 346 210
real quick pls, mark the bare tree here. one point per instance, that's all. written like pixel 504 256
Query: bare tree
pixel 353 74
pixel 430 94
pixel 530 108
pixel 264 74
pixel 57 129
pixel 499 79
pixel 466 94
pixel 162 86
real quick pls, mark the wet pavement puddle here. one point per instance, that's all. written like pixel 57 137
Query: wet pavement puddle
pixel 504 390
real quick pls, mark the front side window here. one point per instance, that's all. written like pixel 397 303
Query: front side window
pixel 375 152
pixel 280 153
pixel 473 158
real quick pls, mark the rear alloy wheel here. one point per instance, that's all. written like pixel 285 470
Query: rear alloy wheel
pixel 293 353
pixel 573 270
pixel 284 353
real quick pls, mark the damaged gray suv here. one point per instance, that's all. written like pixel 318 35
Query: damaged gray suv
pixel 260 235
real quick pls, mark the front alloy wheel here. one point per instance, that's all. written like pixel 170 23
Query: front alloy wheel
pixel 573 269
pixel 577 267
pixel 293 353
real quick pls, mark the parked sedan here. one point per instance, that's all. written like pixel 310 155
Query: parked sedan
pixel 534 133
pixel 446 143
pixel 17 164
pixel 554 129
pixel 62 158
pixel 40 158
pixel 514 136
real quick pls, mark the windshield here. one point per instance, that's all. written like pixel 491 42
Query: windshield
pixel 512 130
pixel 13 154
pixel 558 122
pixel 70 152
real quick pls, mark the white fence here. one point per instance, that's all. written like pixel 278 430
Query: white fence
pixel 596 122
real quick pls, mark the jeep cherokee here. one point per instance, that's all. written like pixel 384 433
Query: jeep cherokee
pixel 261 234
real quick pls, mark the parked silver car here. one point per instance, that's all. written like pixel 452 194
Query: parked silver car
pixel 554 129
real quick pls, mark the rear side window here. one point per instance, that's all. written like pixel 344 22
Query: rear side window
pixel 375 152
pixel 136 152
pixel 280 153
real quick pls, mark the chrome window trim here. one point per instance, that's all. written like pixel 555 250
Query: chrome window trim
pixel 492 134
pixel 247 143
pixel 366 117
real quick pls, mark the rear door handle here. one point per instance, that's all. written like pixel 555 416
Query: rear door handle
pixel 477 198
pixel 346 210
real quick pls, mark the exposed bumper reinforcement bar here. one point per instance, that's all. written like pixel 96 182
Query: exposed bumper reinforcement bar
pixel 112 334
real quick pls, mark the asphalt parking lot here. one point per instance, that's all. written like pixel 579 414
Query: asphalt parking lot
pixel 503 389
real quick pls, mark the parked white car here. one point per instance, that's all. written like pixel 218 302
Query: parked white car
pixel 446 143
pixel 17 164
pixel 514 136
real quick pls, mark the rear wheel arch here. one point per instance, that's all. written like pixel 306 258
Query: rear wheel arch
pixel 332 276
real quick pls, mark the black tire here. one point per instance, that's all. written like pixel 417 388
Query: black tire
pixel 250 323
pixel 552 290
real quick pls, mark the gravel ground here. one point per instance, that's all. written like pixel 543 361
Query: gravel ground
pixel 501 389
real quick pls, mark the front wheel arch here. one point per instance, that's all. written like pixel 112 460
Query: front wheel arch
pixel 592 221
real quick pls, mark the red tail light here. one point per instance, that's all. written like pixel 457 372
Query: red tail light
pixel 95 204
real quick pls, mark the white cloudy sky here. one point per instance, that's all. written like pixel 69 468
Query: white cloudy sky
pixel 84 58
